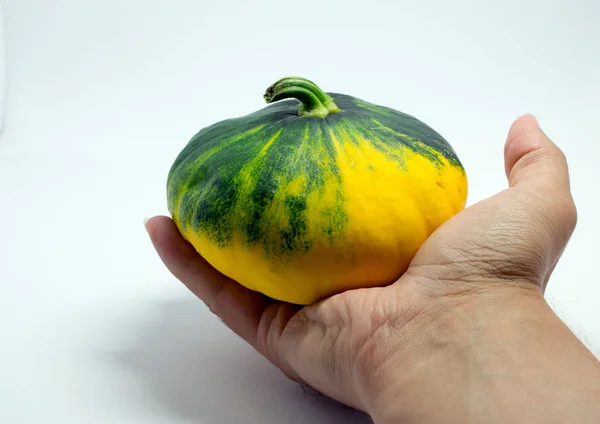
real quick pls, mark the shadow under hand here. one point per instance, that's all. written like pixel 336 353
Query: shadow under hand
pixel 201 372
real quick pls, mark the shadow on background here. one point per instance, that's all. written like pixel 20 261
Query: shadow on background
pixel 197 370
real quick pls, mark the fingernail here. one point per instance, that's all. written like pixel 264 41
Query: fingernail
pixel 145 222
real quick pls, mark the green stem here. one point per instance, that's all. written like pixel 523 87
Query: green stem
pixel 314 101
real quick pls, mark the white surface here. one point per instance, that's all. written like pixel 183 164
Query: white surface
pixel 103 94
pixel 2 68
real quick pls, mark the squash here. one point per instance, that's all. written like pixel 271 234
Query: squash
pixel 314 194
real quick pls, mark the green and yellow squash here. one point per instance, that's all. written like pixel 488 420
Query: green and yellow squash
pixel 315 194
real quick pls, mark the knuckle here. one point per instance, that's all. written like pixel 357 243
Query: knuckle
pixel 562 156
pixel 528 160
pixel 559 215
pixel 570 214
pixel 550 209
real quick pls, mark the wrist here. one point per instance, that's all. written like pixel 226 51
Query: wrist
pixel 480 358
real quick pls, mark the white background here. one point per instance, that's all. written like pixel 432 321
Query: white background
pixel 102 95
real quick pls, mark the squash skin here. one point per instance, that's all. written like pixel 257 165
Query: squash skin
pixel 300 207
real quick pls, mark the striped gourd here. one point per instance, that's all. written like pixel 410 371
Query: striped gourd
pixel 315 194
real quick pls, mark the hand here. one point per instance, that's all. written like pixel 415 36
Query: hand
pixel 368 347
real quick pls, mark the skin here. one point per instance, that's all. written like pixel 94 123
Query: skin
pixel 464 336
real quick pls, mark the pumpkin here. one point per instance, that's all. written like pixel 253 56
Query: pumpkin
pixel 315 194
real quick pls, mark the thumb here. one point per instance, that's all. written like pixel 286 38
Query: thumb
pixel 532 160
pixel 539 168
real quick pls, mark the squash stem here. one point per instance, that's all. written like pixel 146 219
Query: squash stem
pixel 314 101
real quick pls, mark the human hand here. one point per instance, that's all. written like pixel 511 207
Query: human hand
pixel 370 348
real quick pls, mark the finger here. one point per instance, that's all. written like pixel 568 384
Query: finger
pixel 239 308
pixel 257 319
pixel 539 167
pixel 532 159
pixel 182 259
